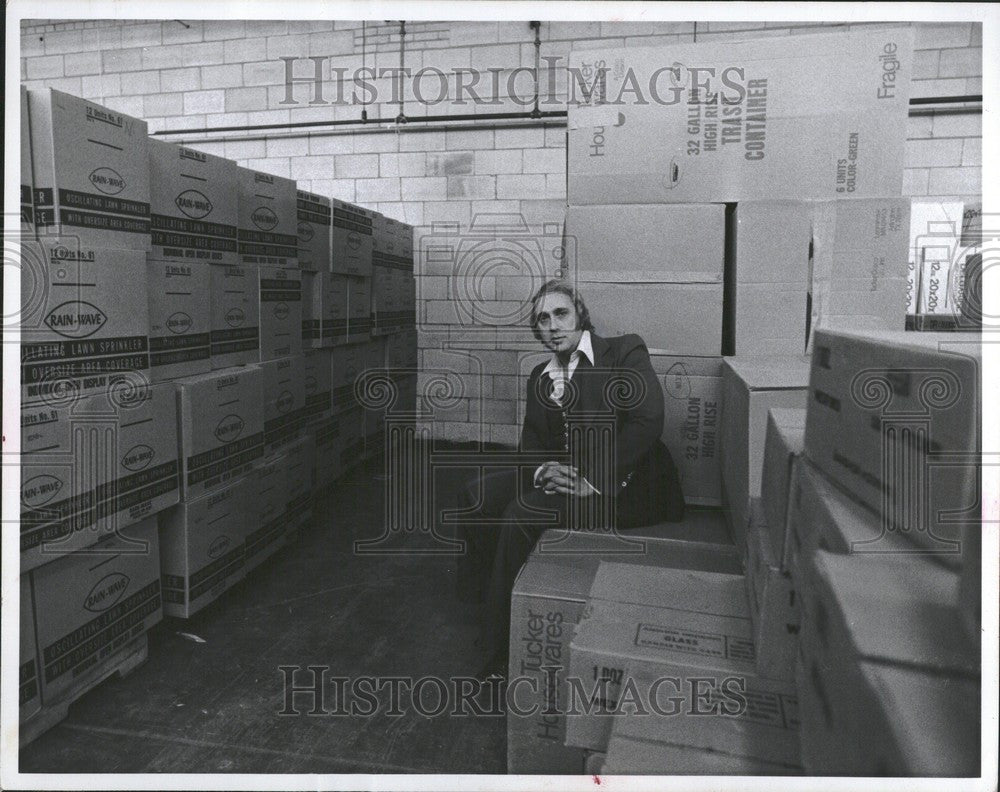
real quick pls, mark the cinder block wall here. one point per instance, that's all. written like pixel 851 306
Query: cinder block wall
pixel 190 74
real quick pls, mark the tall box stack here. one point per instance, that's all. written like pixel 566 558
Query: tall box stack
pixel 375 380
pixel 319 419
pixel 359 309
pixel 314 213
pixel 642 270
pixel 751 387
pixel 894 420
pixel 330 309
pixel 267 220
pixel 754 129
pixel 408 290
pixel 193 218
pixel 91 172
pixel 385 285
pixel 692 423
pixel 347 363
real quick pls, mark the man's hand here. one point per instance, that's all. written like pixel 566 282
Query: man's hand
pixel 555 478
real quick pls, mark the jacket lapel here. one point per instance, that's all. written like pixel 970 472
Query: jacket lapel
pixel 592 383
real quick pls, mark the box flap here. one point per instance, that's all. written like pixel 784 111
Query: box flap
pixel 768 372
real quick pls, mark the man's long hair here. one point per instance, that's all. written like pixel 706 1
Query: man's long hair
pixel 560 287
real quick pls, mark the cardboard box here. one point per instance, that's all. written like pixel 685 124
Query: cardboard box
pixel 235 316
pixel 889 609
pixel 627 639
pixel 267 219
pixel 860 254
pixel 280 313
pixel 692 416
pixel 316 385
pixel 869 395
pixel 93 467
pixel 346 365
pixel 935 225
pixel 752 386
pixel 784 441
pixel 299 492
pixel 917 724
pixel 672 318
pixel 359 317
pixel 266 526
pixel 284 401
pixel 773 607
pixel 351 239
pixel 29 695
pixel 821 516
pixel 330 310
pixel 27 176
pixel 401 352
pixel 85 324
pixel 374 416
pixel 548 597
pixel 203 545
pixel 221 425
pixel 92 605
pixel 774 134
pixel 180 319
pixel 770 245
pixel 648 243
pixel 313 230
pixel 91 171
pixel 193 205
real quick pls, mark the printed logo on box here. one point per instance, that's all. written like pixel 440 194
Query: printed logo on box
pixel 305 232
pixel 281 310
pixel 106 592
pixel 229 428
pixel 107 180
pixel 39 490
pixel 219 546
pixel 194 204
pixel 138 457
pixel 353 240
pixel 179 323
pixel 235 317
pixel 75 319
pixel 284 401
pixel 264 218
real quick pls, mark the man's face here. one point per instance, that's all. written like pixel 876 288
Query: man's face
pixel 557 323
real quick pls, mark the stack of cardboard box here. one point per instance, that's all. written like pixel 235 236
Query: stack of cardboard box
pixel 730 208
pixel 867 531
pixel 98 439
pixel 181 319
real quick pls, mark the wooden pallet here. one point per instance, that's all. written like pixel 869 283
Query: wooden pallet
pixel 122 663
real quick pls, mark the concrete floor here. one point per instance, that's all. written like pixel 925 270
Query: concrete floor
pixel 213 706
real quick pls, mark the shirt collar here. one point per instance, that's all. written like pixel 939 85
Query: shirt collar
pixel 585 347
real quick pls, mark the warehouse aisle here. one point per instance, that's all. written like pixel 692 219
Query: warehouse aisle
pixel 212 706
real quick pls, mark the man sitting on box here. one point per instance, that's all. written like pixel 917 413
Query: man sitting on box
pixel 592 429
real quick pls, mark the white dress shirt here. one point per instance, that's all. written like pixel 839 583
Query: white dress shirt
pixel 560 375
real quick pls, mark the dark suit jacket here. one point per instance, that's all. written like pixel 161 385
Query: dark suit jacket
pixel 619 397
